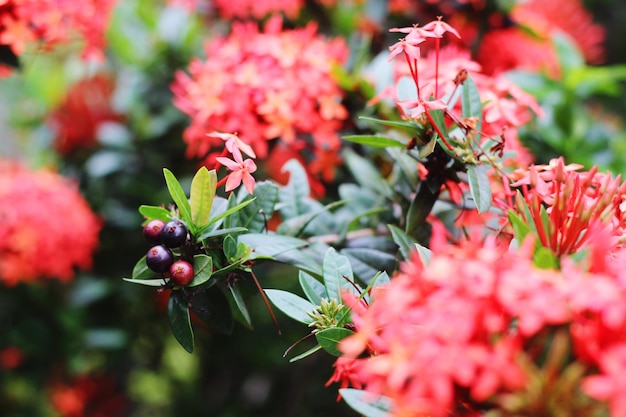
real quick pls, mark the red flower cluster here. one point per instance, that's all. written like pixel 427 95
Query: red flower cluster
pixel 263 85
pixel 566 206
pixel 54 21
pixel 246 9
pixel 457 336
pixel 48 229
pixel 86 106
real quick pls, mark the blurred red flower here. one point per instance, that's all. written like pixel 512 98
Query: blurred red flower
pixel 55 21
pixel 87 396
pixel 48 228
pixel 86 105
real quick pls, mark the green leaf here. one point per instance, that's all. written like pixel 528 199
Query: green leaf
pixel 241 304
pixel 255 216
pixel 305 354
pixel 230 211
pixel 201 194
pixel 330 338
pixel 202 268
pixel 212 307
pixel 424 253
pixel 410 126
pixel 209 234
pixel 427 149
pixel 470 101
pixel 296 225
pixel 154 212
pixel 375 141
pixel 404 241
pixel 337 274
pixel 366 174
pixel 180 323
pixel 313 289
pixel 158 282
pixel 479 186
pixel 544 258
pixel 367 262
pixel 520 228
pixel 439 120
pixel 295 192
pixel 292 305
pixel 178 195
pixel 270 245
pixel 366 403
pixel 141 269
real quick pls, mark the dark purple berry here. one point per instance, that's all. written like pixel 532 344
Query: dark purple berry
pixel 159 258
pixel 152 230
pixel 174 234
pixel 181 273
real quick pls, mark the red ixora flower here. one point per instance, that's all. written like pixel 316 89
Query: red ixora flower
pixel 48 229
pixel 86 105
pixel 264 85
pixel 51 22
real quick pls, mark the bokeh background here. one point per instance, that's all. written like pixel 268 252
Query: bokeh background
pixel 95 346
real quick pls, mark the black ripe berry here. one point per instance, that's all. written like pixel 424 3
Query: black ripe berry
pixel 174 234
pixel 159 258
pixel 181 273
pixel 152 230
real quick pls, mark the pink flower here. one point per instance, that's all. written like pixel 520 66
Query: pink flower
pixel 241 171
pixel 233 142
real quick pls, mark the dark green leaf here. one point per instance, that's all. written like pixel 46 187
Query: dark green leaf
pixel 201 194
pixel 180 323
pixel 296 225
pixel 404 241
pixel 366 403
pixel 241 304
pixel 366 262
pixel 479 186
pixel 292 305
pixel 375 141
pixel 366 174
pixel 439 120
pixel 295 192
pixel 178 195
pixel 313 289
pixel 209 234
pixel 470 100
pixel 330 338
pixel 154 212
pixel 410 126
pixel 230 211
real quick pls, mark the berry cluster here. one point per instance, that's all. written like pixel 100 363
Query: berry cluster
pixel 160 258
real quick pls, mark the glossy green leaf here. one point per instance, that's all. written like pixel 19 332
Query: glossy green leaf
pixel 330 338
pixel 367 174
pixel 479 186
pixel 141 269
pixel 270 245
pixel 405 242
pixel 180 323
pixel 203 269
pixel 337 274
pixel 292 305
pixel 296 225
pixel 241 304
pixel 154 212
pixel 366 403
pixel 424 253
pixel 209 234
pixel 178 195
pixel 440 121
pixel 313 289
pixel 158 282
pixel 297 190
pixel 230 211
pixel 375 141
pixel 201 194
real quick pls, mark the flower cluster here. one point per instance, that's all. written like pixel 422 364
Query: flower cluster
pixel 87 396
pixel 86 105
pixel 466 332
pixel 54 21
pixel 565 206
pixel 48 228
pixel 247 9
pixel 263 85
